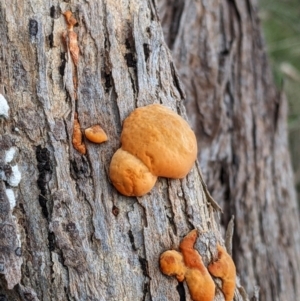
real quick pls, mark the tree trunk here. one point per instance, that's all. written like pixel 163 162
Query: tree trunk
pixel 240 122
pixel 71 235
pixel 66 233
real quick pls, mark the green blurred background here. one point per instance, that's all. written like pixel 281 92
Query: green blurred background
pixel 281 25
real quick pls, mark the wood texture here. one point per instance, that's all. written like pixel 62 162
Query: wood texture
pixel 240 122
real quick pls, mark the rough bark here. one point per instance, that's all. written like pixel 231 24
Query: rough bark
pixel 70 235
pixel 240 121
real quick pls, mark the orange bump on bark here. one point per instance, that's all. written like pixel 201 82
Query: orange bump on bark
pixel 95 134
pixel 192 258
pixel 71 21
pixel 224 268
pixel 130 175
pixel 188 266
pixel 77 137
pixel 161 140
pixel 172 264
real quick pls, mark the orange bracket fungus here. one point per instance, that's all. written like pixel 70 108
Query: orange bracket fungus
pixel 130 175
pixel 224 268
pixel 95 134
pixel 77 137
pixel 156 142
pixel 188 266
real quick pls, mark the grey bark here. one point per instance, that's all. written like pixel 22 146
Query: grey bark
pixel 71 235
pixel 240 122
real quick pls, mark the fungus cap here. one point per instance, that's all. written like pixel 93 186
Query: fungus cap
pixel 95 134
pixel 171 264
pixel 161 139
pixel 224 267
pixel 129 175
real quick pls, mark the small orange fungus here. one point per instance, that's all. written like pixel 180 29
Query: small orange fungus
pixel 95 134
pixel 77 137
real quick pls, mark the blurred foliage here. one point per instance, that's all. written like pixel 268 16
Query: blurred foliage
pixel 280 20
pixel 281 26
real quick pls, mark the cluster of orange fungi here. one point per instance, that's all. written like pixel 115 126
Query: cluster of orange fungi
pixel 94 133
